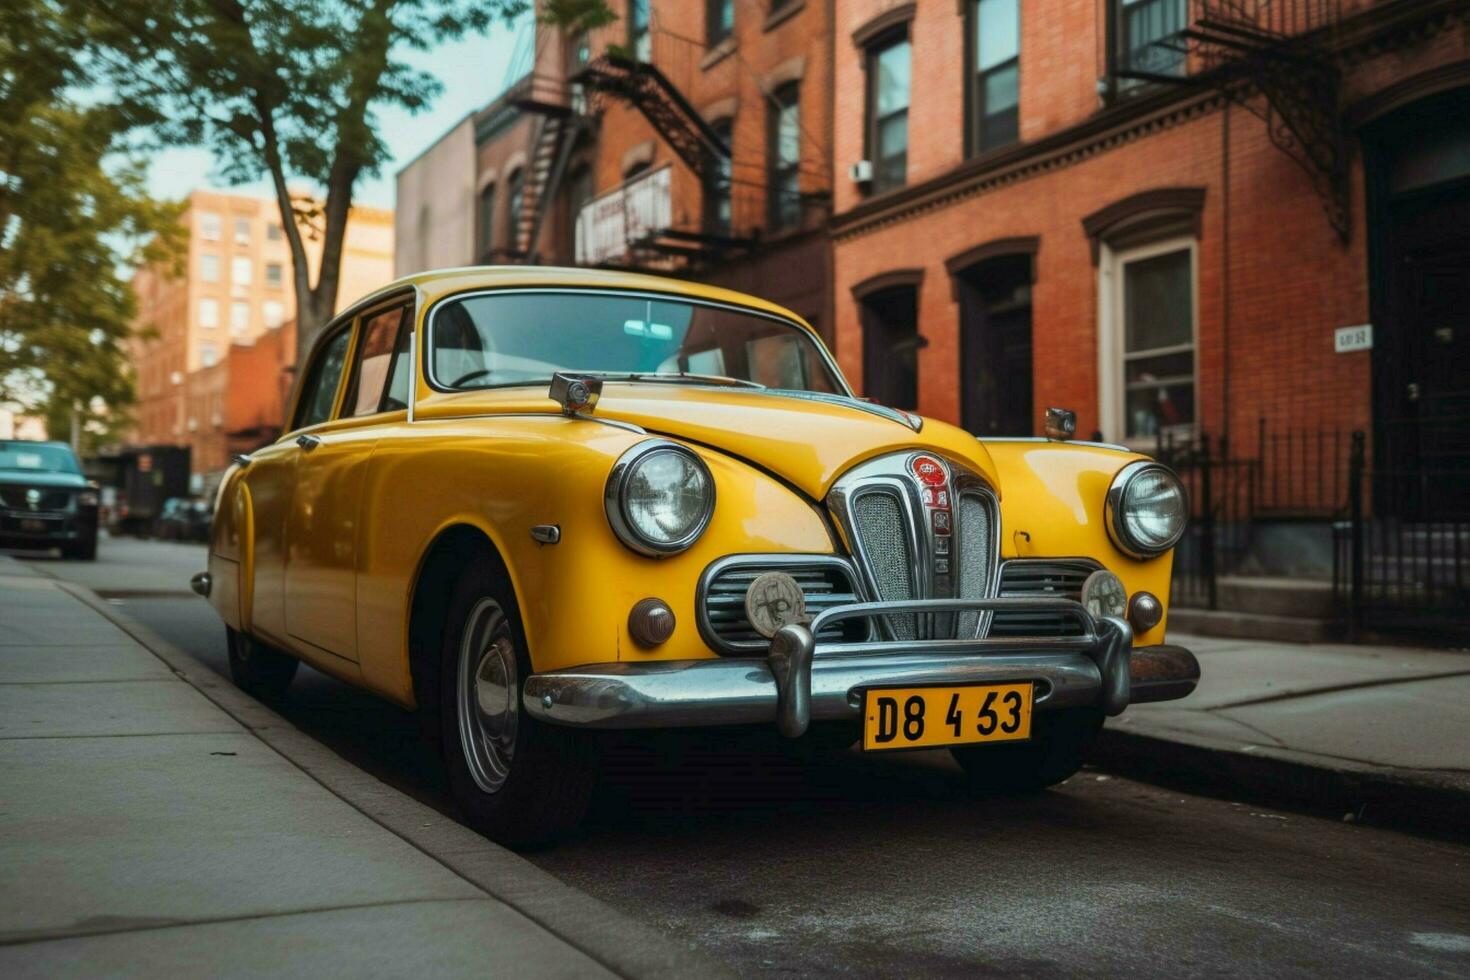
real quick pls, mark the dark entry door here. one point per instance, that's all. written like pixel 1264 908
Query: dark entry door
pixel 995 347
pixel 1429 442
pixel 1419 219
pixel 891 343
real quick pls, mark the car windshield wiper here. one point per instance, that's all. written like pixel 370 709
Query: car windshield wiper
pixel 681 378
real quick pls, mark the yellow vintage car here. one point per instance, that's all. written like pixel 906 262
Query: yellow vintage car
pixel 536 503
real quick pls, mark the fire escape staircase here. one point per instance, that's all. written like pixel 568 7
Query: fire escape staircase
pixel 1277 60
pixel 648 90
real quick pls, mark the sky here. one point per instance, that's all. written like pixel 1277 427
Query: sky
pixel 473 72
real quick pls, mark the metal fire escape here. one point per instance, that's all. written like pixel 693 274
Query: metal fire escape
pixel 556 138
pixel 641 85
pixel 1275 58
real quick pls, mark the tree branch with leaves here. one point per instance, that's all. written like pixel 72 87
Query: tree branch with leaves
pixel 288 90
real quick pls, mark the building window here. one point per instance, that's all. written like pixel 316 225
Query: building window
pixel 209 226
pixel 273 232
pixel 239 318
pixel 888 111
pixel 273 313
pixel 242 231
pixel 719 20
pixel 783 154
pixel 717 199
pixel 209 267
pixel 1147 36
pixel 891 345
pixel 487 219
pixel 273 275
pixel 1149 339
pixel 240 270
pixel 207 356
pixel 209 312
pixel 515 201
pixel 638 40
pixel 996 96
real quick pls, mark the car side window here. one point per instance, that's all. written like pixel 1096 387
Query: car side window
pixel 376 382
pixel 320 390
pixel 401 375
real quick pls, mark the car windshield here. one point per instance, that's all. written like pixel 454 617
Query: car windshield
pixel 37 457
pixel 521 338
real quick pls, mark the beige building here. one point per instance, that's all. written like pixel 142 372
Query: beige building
pixel 235 285
pixel 436 205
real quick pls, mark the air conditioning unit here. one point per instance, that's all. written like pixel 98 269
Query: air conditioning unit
pixel 861 172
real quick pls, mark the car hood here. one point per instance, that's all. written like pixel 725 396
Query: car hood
pixel 38 478
pixel 806 442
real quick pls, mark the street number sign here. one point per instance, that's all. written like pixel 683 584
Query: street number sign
pixel 1349 339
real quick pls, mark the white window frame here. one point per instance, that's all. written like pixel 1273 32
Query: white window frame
pixel 1111 390
pixel 212 304
pixel 239 263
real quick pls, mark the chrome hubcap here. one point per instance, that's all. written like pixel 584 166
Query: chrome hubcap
pixel 489 695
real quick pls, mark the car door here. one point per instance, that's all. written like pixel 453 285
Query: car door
pixel 270 482
pixel 322 526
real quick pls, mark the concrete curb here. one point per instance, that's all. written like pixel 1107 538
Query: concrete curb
pixel 1285 780
pixel 619 943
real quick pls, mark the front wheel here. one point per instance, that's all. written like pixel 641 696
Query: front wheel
pixel 518 781
pixel 256 669
pixel 1059 740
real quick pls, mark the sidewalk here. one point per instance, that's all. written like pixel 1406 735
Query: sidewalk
pixel 1379 733
pixel 144 831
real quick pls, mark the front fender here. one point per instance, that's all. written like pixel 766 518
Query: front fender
pixel 1052 500
pixel 504 476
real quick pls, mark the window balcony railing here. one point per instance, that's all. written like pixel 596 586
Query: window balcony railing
pixel 1162 40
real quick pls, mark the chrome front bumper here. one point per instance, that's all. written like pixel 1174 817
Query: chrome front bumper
pixel 800 680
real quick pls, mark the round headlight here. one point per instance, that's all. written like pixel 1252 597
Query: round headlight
pixel 659 498
pixel 1147 509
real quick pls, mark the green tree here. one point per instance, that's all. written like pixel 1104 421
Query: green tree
pixel 285 90
pixel 75 220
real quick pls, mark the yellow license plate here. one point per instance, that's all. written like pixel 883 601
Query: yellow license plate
pixel 923 717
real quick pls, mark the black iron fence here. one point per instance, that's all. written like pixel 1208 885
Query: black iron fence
pixel 1402 555
pixel 1285 474
pixel 1398 503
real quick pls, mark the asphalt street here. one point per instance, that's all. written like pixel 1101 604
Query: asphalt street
pixel 786 862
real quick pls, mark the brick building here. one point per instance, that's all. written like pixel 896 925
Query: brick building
pixel 1075 203
pixel 689 139
pixel 233 291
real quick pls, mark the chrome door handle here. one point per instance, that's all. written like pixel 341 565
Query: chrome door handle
pixel 308 442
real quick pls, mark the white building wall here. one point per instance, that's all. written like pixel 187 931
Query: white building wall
pixel 435 208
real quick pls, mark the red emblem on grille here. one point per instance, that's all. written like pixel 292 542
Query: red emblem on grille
pixel 929 471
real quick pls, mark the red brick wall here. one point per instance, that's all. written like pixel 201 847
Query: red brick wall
pixel 1291 280
pixel 739 72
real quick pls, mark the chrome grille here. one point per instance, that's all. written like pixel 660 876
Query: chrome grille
pixel 884 532
pixel 976 540
pixel 15 497
pixel 825 583
pixel 1046 578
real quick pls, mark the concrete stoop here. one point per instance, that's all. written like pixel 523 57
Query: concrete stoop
pixel 1291 610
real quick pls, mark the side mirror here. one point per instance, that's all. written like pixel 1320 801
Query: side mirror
pixel 1060 423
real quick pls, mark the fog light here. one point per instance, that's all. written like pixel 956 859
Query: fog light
pixel 1103 594
pixel 1145 611
pixel 651 622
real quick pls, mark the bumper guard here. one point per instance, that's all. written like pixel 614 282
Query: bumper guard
pixel 800 680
